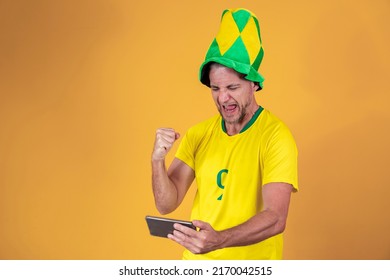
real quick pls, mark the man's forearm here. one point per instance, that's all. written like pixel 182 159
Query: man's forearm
pixel 165 192
pixel 260 227
pixel 265 224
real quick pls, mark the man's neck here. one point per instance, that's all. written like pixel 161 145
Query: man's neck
pixel 236 128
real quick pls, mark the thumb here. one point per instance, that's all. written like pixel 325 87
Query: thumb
pixel 177 135
pixel 201 225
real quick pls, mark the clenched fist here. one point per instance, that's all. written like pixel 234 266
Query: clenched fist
pixel 165 137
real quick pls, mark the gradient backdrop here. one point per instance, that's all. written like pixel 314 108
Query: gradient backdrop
pixel 84 85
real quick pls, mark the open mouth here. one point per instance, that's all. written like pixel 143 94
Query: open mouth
pixel 229 108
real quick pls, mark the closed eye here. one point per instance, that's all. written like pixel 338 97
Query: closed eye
pixel 233 87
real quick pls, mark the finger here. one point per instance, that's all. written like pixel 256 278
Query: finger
pixel 164 139
pixel 185 241
pixel 179 237
pixel 167 137
pixel 186 230
pixel 163 146
pixel 173 237
pixel 167 131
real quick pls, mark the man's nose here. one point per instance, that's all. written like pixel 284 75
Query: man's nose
pixel 224 96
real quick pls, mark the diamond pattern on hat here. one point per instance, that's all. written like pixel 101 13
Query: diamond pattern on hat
pixel 252 43
pixel 228 33
pixel 238 47
pixel 239 24
pixel 241 18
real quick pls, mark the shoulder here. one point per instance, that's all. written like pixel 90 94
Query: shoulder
pixel 273 130
pixel 268 121
pixel 199 133
pixel 205 126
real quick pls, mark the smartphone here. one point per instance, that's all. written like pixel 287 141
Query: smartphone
pixel 163 226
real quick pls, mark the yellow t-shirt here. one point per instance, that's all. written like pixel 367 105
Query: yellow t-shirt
pixel 230 172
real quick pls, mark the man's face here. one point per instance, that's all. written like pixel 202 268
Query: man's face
pixel 232 94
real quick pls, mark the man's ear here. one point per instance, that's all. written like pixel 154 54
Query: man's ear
pixel 255 86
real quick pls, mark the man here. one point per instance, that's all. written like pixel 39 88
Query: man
pixel 244 160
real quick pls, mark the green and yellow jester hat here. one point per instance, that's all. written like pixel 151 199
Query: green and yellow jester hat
pixel 237 46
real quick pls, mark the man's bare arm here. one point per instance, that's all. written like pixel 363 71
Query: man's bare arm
pixel 169 186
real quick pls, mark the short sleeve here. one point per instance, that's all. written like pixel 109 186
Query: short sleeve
pixel 281 158
pixel 186 150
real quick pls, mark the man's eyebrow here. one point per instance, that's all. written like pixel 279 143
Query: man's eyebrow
pixel 228 86
pixel 234 85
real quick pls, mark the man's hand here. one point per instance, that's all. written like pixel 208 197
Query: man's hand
pixel 165 137
pixel 205 240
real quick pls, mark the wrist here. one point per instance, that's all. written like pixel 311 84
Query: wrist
pixel 158 158
pixel 158 164
pixel 225 237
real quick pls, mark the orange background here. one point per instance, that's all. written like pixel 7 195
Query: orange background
pixel 84 84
